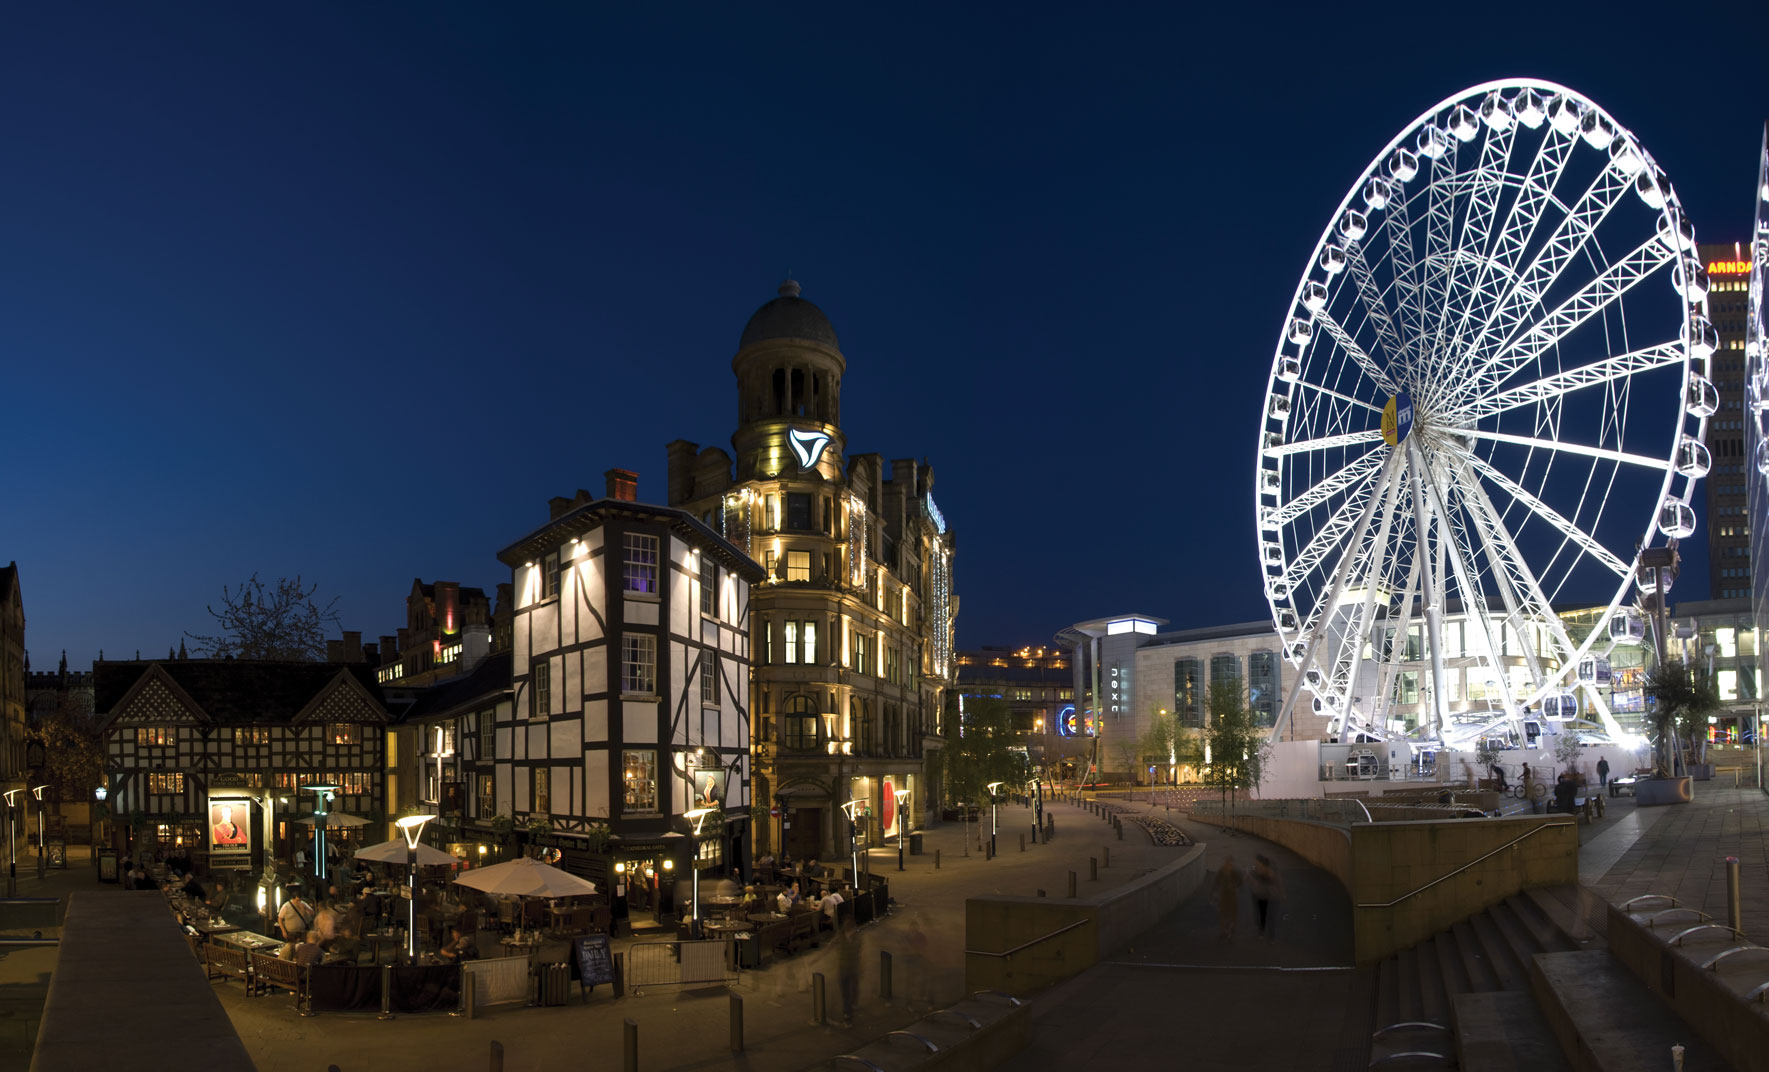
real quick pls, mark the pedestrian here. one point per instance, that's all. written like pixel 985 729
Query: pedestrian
pixel 1499 777
pixel 1603 772
pixel 295 917
pixel 1266 888
pixel 1228 897
pixel 1564 792
pixel 1528 785
pixel 848 969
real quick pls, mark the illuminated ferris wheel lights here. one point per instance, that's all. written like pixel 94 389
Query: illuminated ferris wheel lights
pixel 1597 130
pixel 1332 260
pixel 1703 397
pixel 1677 520
pixel 1314 296
pixel 1703 339
pixel 1376 193
pixel 1563 114
pixel 1403 165
pixel 1692 458
pixel 1353 225
pixel 1463 124
pixel 1652 187
pixel 1674 232
pixel 1432 142
pixel 1301 330
pixel 1625 157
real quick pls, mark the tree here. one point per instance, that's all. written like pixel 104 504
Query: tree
pixel 986 749
pixel 1680 698
pixel 73 753
pixel 280 622
pixel 1237 747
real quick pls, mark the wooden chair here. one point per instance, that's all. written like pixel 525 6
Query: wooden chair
pixel 225 961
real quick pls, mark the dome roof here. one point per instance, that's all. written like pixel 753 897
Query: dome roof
pixel 788 317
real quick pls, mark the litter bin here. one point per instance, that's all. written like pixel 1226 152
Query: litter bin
pixel 915 844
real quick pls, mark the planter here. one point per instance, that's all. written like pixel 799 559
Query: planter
pixel 1649 792
pixel 1702 772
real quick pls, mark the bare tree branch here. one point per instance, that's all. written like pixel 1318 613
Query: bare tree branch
pixel 280 623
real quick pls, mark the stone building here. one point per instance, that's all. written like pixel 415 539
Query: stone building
pixel 854 623
pixel 446 625
pixel 12 680
pixel 630 696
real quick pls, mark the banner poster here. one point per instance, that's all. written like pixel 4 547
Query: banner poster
pixel 230 829
pixel 709 787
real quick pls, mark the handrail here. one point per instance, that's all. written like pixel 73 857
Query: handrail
pixel 1398 1025
pixel 1527 834
pixel 1713 962
pixel 1028 945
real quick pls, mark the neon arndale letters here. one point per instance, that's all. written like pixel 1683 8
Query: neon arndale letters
pixel 807 445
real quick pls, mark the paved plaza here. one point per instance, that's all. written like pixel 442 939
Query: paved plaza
pixel 1180 989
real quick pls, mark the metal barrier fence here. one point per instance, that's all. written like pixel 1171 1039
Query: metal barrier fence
pixel 680 963
pixel 1340 810
pixel 499 980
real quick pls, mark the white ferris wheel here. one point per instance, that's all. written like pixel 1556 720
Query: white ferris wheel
pixel 1488 393
pixel 1756 346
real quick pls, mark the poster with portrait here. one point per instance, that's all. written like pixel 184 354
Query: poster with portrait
pixel 707 787
pixel 230 829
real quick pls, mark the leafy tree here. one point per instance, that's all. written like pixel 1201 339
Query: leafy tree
pixel 1237 747
pixel 1680 698
pixel 985 751
pixel 73 751
pixel 279 622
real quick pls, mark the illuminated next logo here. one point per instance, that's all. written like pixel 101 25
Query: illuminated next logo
pixel 807 445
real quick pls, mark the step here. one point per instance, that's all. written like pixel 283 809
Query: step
pixel 1434 1003
pixel 1518 940
pixel 1607 1021
pixel 1409 1003
pixel 1505 965
pixel 1481 976
pixel 1549 937
pixel 1580 914
pixel 1387 994
pixel 1450 966
pixel 1504 1031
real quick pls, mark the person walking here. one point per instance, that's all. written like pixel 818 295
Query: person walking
pixel 1228 898
pixel 1603 772
pixel 1266 888
pixel 295 917
pixel 847 967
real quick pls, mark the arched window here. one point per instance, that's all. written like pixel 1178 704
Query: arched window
pixel 801 724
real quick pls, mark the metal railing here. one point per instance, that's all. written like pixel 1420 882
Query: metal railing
pixel 1341 810
pixel 1525 836
pixel 1027 945
pixel 680 963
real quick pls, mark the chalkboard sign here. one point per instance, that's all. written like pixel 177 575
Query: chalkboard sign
pixel 58 854
pixel 595 964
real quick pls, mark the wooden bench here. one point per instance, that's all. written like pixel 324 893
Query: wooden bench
pixel 227 961
pixel 270 973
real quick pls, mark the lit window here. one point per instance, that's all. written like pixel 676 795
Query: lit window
pixel 639 772
pixel 862 653
pixel 153 736
pixel 159 782
pixel 809 632
pixel 550 577
pixel 540 790
pixel 343 733
pixel 252 735
pixel 638 663
pixel 1728 683
pixel 709 678
pixel 709 585
pixel 641 563
pixel 798 565
pixel 792 642
pixel 487 798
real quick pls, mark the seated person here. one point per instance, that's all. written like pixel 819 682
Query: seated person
pixel 830 903
pixel 309 953
pixel 783 902
pixel 752 901
pixel 1564 792
pixel 194 889
pixel 343 948
pixel 459 947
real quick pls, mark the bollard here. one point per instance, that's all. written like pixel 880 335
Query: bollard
pixel 736 1023
pixel 817 1006
pixel 884 974
pixel 936 859
pixel 1093 869
pixel 1120 831
pixel 1071 884
pixel 497 1056
pixel 469 995
pixel 1106 853
pixel 1734 913
pixel 630 1043
pixel 1022 843
pixel 386 992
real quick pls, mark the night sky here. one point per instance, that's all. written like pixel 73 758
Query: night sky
pixel 350 290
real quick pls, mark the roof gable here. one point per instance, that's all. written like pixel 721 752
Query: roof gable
pixel 344 699
pixel 156 698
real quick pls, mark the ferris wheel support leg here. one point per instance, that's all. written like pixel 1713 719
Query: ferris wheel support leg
pixel 1433 593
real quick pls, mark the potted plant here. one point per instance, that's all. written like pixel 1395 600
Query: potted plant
pixel 1487 754
pixel 1680 698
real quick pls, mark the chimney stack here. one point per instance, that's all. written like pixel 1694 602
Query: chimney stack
pixel 623 484
pixel 353 646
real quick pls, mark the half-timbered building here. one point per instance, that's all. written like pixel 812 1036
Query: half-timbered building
pixel 630 672
pixel 444 756
pixel 180 736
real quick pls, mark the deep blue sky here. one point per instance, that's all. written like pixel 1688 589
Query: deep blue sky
pixel 350 290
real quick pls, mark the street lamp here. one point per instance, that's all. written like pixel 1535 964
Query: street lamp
pixel 852 809
pixel 42 846
pixel 11 843
pixel 412 826
pixel 322 798
pixel 699 816
pixel 992 787
pixel 901 795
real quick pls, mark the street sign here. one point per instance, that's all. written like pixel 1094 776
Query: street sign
pixel 774 813
pixel 405 893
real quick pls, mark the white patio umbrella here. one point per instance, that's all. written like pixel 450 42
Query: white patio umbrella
pixel 525 877
pixel 395 852
pixel 337 818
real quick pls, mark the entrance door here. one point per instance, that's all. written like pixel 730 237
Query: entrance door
pixel 805 839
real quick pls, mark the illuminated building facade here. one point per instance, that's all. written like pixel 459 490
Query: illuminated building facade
pixel 629 697
pixel 1729 522
pixel 445 625
pixel 854 623
pixel 442 760
pixel 1721 636
pixel 1035 687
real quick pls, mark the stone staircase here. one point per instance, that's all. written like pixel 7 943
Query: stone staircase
pixel 1477 998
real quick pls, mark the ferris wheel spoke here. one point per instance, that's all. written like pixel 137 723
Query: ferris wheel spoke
pixel 1605 372
pixel 1329 535
pixel 1364 361
pixel 1379 565
pixel 1603 453
pixel 1332 442
pixel 1340 397
pixel 1398 226
pixel 1324 489
pixel 1469 262
pixel 1591 299
pixel 1374 306
pixel 1586 542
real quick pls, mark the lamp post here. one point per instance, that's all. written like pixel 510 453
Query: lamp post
pixel 992 787
pixel 851 809
pixel 42 846
pixel 412 826
pixel 699 816
pixel 901 795
pixel 11 843
pixel 322 798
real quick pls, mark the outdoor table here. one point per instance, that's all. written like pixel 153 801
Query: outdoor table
pixel 250 941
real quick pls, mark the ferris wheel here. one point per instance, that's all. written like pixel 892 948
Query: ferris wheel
pixel 1756 348
pixel 1488 392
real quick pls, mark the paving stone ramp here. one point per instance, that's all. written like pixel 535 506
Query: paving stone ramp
pixel 1528 984
pixel 979 1033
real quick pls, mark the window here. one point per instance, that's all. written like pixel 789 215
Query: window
pixel 769 565
pixel 792 642
pixel 541 778
pixel 801 724
pixel 862 653
pixel 639 770
pixel 1022 695
pixel 488 805
pixel 709 585
pixel 798 511
pixel 709 678
pixel 251 735
pixel 350 783
pixel 153 736
pixel 1262 687
pixel 486 729
pixel 550 578
pixel 543 689
pixel 638 663
pixel 641 563
pixel 798 565
pixel 287 780
pixel 160 782
pixel 808 630
pixel 343 733
pixel 1188 692
pixel 1225 668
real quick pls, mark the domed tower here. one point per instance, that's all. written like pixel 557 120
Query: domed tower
pixel 789 367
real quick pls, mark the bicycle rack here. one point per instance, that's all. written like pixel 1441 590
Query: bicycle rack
pixel 972 1022
pixel 1409 1054
pixel 931 1048
pixel 1628 905
pixel 1713 962
pixel 1405 1024
pixel 1700 928
pixel 1681 915
pixel 1009 998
